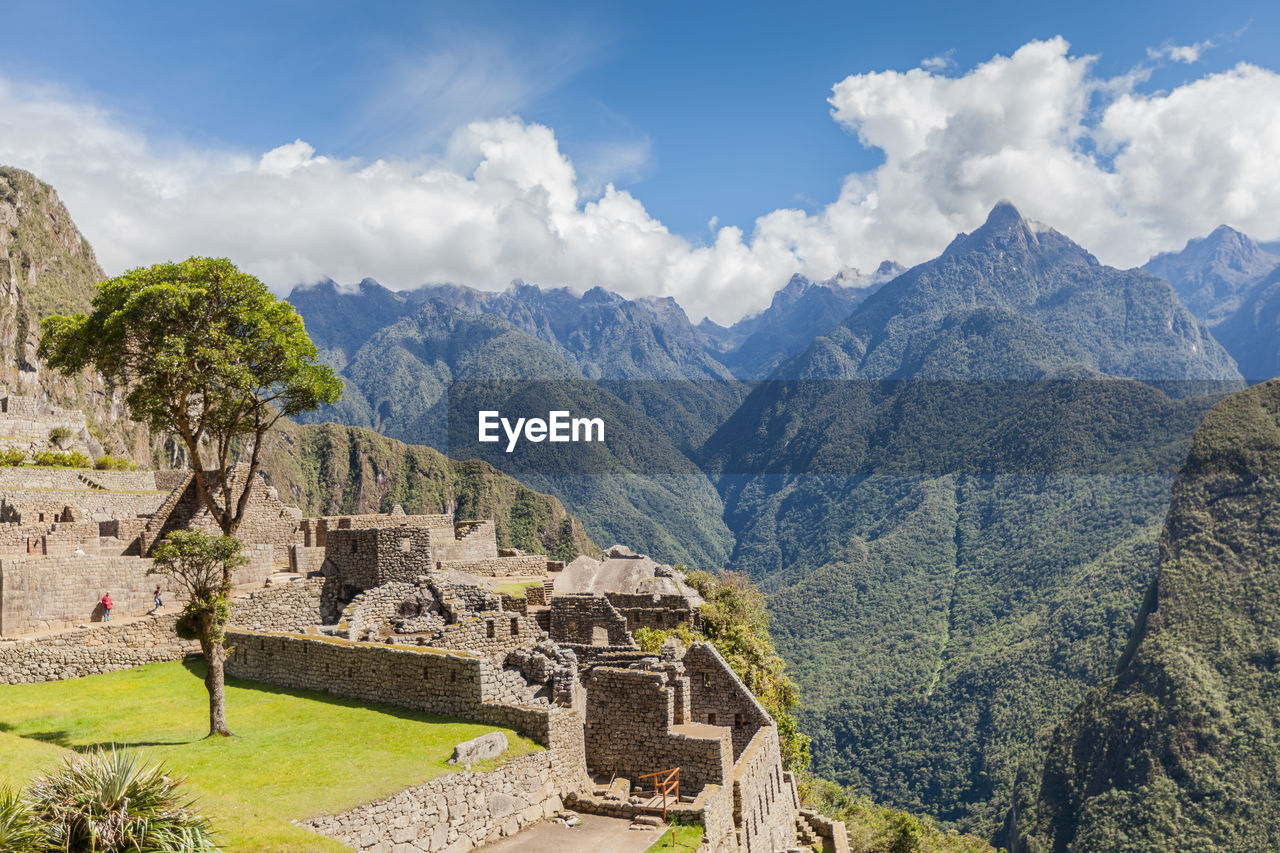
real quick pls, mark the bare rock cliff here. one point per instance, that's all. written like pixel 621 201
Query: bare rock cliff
pixel 47 267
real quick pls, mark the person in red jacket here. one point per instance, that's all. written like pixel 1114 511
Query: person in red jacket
pixel 106 607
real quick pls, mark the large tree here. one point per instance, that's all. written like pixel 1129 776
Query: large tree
pixel 201 566
pixel 207 354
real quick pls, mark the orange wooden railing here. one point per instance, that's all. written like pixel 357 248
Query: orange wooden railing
pixel 666 783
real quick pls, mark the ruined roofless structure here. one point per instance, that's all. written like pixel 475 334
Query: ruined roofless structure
pixel 404 610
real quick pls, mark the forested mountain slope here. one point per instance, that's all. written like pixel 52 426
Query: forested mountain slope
pixel 953 501
pixel 330 469
pixel 1180 751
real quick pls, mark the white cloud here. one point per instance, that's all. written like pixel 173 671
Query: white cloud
pixel 1186 53
pixel 1124 173
pixel 940 63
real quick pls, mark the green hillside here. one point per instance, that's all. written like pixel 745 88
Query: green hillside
pixel 329 469
pixel 1180 750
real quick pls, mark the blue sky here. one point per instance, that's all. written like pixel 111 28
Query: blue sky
pixel 694 110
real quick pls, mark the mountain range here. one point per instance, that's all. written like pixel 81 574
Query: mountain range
pixel 1230 281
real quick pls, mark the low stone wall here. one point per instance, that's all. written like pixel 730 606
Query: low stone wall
pixel 712 807
pixel 499 567
pixel 459 684
pixel 289 607
pixel 454 812
pixel 89 651
pixel 463 810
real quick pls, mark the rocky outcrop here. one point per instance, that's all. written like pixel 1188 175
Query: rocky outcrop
pixel 47 267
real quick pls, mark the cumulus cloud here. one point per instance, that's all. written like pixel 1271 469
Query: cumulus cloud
pixel 1123 172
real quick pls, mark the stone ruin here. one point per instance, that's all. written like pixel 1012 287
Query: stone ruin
pixel 405 610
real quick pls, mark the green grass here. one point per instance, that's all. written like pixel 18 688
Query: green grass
pixel 296 754
pixel 678 838
pixel 517 590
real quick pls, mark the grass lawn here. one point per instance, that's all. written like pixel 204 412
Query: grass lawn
pixel 517 590
pixel 679 839
pixel 296 754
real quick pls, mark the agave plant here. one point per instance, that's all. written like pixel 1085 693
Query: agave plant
pixel 114 802
pixel 17 832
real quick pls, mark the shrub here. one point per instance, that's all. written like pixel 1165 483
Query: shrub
pixel 59 434
pixel 10 458
pixel 107 462
pixel 52 459
pixel 17 832
pixel 109 801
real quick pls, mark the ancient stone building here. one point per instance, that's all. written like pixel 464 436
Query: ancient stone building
pixel 405 610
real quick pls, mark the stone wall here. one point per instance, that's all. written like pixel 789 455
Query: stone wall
pixel 462 810
pixel 653 611
pixel 304 560
pixel 765 804
pixel 368 557
pixel 719 698
pixel 499 567
pixel 490 634
pixel 315 530
pixel 43 593
pixel 375 609
pixel 290 607
pixel 833 833
pixel 459 684
pixel 48 505
pixel 267 520
pixel 36 477
pixel 30 419
pixel 589 620
pixel 631 730
pixel 88 651
pixel 470 541
pixel 40 593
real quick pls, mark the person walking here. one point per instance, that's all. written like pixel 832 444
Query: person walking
pixel 107 604
pixel 156 596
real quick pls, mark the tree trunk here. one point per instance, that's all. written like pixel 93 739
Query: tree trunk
pixel 214 681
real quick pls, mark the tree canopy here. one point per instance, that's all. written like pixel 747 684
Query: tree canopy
pixel 208 354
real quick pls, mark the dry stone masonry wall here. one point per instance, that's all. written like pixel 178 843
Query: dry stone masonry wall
pixel 90 651
pixel 631 730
